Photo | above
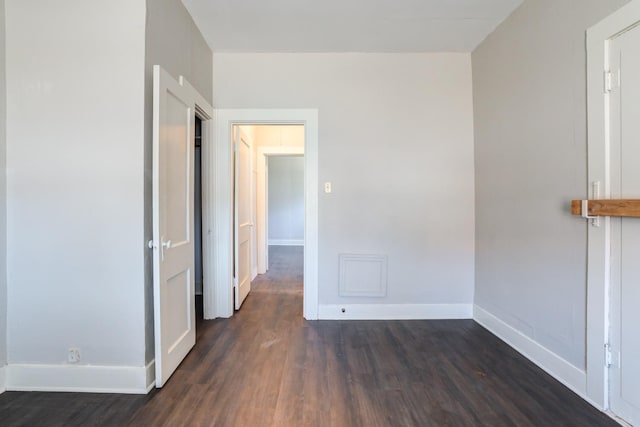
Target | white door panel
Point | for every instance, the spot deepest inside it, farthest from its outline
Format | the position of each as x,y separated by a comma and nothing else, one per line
243,218
173,257
625,232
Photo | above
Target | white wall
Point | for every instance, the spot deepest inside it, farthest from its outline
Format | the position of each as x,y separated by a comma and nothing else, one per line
173,42
286,200
75,105
3,199
279,136
396,140
250,131
530,130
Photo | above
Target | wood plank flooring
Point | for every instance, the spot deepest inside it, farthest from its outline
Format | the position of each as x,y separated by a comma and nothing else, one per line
268,367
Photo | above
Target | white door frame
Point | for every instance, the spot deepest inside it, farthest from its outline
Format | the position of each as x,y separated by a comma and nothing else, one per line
207,203
220,293
598,42
262,216
206,114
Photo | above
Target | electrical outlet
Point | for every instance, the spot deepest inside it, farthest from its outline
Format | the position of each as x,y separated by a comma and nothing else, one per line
74,355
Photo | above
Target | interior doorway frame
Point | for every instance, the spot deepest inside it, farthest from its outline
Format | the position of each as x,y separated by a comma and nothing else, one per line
262,214
599,238
218,293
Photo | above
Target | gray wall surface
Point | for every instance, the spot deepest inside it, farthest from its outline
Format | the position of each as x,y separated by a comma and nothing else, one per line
396,141
286,198
175,43
529,96
74,188
3,194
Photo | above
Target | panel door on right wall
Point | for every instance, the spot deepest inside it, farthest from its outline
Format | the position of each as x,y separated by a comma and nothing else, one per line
625,232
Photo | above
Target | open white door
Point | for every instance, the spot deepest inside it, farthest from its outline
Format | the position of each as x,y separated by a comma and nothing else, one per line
625,232
243,216
173,248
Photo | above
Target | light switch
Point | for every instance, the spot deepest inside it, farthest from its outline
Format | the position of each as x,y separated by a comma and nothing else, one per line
327,187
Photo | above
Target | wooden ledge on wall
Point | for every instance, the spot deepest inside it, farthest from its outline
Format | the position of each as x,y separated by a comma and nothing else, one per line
615,207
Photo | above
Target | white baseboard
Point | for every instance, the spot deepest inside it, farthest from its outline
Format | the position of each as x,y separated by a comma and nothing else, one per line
395,311
78,378
3,379
554,365
286,242
151,375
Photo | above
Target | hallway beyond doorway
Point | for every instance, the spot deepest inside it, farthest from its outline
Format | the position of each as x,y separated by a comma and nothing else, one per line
285,271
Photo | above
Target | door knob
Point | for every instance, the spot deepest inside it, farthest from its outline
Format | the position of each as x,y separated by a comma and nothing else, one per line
164,245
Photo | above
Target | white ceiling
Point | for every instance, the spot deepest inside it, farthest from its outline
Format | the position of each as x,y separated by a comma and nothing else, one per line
347,25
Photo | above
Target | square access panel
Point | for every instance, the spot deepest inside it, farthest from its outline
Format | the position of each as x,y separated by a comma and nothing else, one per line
363,275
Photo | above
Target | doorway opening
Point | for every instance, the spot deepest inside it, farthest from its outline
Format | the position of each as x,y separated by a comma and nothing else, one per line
269,204
197,211
219,302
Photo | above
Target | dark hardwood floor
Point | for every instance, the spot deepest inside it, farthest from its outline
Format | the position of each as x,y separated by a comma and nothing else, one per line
268,367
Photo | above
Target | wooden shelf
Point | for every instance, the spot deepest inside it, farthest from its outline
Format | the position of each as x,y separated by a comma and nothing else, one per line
616,207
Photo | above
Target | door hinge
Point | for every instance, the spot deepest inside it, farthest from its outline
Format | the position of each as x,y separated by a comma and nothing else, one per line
611,80
611,358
